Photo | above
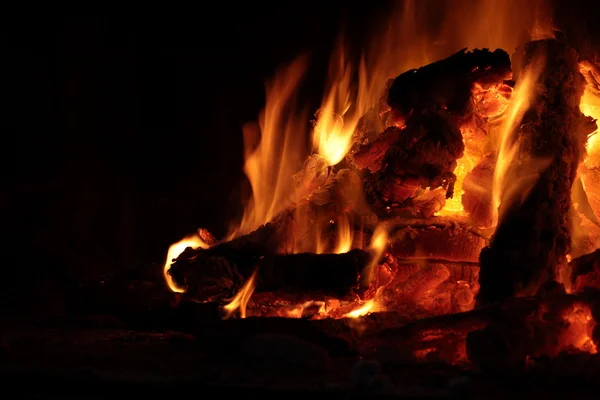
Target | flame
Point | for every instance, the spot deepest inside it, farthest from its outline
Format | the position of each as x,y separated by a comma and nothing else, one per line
343,106
590,106
175,251
506,186
367,307
240,301
274,149
344,236
379,243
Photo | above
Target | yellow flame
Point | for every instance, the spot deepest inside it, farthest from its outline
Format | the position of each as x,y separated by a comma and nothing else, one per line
343,106
506,186
274,149
175,250
378,245
344,236
240,301
590,106
367,307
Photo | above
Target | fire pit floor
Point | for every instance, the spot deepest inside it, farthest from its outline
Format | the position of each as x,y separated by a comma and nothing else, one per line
94,361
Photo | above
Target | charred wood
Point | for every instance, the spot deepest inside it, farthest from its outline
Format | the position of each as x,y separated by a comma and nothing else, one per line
448,83
533,237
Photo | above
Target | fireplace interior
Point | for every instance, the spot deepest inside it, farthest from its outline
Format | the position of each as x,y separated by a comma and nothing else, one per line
390,200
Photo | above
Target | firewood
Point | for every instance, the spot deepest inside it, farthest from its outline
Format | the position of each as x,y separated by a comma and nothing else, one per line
532,239
449,83
209,274
418,169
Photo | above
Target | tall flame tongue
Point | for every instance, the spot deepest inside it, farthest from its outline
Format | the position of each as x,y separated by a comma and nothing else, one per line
274,149
511,183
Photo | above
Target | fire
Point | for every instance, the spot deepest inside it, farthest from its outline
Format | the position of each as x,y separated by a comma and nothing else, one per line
240,301
283,173
193,241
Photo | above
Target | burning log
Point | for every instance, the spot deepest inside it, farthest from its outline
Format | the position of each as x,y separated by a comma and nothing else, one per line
532,239
210,274
449,83
429,112
419,162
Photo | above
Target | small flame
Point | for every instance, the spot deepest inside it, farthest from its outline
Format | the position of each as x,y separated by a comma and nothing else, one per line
344,236
241,299
367,307
378,245
175,251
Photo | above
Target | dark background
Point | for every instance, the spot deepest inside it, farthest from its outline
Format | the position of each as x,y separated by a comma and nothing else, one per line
122,134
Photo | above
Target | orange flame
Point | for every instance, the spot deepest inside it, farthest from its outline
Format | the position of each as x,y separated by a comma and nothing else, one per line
379,243
240,301
175,251
344,236
274,149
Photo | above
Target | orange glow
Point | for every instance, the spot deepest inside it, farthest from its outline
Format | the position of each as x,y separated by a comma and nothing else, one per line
240,301
581,326
175,250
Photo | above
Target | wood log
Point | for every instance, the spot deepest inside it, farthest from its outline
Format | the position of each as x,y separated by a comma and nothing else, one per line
532,239
208,276
585,271
449,83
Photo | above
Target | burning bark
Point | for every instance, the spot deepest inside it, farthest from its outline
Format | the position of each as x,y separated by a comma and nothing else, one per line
532,240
